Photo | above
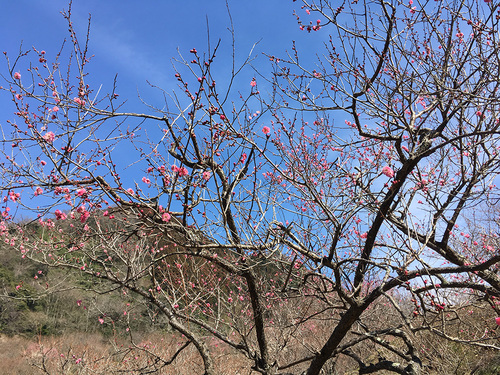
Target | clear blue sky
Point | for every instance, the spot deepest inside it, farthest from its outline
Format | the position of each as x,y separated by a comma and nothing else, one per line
137,39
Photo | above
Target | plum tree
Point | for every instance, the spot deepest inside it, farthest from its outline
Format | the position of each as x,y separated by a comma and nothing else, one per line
302,228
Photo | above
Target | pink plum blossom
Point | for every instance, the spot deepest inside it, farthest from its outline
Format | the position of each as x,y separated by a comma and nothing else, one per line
146,180
38,191
497,320
253,83
266,130
81,192
14,196
388,171
49,137
79,101
17,75
85,215
166,217
206,175
60,215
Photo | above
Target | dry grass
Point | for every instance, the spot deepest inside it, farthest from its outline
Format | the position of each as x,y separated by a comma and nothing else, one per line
92,354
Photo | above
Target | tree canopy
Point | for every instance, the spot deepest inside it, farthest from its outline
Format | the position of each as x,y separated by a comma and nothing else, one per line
338,197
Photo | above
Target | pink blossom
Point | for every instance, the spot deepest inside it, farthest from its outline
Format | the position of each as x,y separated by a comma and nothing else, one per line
79,101
206,175
81,192
388,171
183,171
38,191
166,217
84,216
497,320
146,180
14,196
266,130
101,320
253,83
130,191
55,108
17,75
364,235
49,137
60,215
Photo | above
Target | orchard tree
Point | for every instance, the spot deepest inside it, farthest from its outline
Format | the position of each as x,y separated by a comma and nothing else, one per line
306,227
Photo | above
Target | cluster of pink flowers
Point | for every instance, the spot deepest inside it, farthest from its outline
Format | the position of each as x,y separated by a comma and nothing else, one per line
49,137
84,214
79,101
59,190
60,215
13,196
182,171
146,180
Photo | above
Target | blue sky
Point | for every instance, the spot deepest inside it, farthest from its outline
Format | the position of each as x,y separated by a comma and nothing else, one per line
137,40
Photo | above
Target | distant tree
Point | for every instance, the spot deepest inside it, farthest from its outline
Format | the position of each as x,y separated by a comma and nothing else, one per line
317,225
